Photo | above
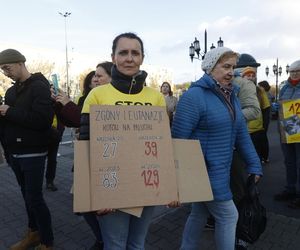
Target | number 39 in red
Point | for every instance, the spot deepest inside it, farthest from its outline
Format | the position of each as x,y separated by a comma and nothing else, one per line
151,177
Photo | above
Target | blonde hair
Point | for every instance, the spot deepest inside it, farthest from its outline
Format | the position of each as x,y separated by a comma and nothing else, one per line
227,55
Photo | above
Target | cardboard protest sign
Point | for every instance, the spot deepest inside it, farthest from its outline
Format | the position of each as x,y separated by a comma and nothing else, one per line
289,115
191,174
131,157
82,187
192,178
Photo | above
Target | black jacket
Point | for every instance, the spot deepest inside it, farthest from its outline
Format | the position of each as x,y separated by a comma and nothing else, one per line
28,120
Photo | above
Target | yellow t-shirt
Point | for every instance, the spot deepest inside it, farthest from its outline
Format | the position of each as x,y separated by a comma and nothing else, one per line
108,95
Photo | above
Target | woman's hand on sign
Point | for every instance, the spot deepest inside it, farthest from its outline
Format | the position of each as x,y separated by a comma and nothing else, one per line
105,211
174,204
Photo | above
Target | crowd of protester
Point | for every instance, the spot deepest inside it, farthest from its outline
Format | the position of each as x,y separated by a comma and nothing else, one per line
226,110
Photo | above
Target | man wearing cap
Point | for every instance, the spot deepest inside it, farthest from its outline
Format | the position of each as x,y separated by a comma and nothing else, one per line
291,151
26,118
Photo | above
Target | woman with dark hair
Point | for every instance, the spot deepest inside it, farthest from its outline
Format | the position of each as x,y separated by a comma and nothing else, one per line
70,113
121,230
101,76
171,101
266,86
88,82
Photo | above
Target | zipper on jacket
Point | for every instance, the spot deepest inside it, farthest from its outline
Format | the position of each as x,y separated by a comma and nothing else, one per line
223,99
133,81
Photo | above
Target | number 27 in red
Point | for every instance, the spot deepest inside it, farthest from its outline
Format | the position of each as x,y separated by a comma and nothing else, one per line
151,177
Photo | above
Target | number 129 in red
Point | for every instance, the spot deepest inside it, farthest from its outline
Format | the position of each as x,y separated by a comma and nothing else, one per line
151,178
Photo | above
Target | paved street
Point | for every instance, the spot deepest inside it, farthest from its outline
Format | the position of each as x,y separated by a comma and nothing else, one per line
71,232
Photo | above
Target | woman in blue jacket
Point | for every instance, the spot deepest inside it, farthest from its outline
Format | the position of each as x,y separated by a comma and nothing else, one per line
210,112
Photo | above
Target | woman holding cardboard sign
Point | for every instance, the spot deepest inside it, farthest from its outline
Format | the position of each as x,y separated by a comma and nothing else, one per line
210,112
121,230
291,151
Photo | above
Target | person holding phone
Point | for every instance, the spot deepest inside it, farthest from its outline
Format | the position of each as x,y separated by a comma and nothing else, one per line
26,117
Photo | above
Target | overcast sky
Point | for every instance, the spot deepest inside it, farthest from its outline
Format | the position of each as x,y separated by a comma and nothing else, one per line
266,29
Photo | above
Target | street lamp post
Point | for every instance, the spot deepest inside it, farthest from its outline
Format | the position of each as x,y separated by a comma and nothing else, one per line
195,47
277,70
65,15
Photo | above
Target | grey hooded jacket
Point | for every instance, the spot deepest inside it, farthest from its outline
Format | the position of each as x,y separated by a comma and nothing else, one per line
248,98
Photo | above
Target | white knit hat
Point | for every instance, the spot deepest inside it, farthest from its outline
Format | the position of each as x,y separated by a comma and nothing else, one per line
211,58
295,66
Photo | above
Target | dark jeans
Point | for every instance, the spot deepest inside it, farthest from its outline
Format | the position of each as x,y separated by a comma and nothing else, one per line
291,153
51,159
266,113
92,220
30,173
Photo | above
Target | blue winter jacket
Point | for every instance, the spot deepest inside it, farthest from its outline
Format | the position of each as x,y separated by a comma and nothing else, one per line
289,91
203,114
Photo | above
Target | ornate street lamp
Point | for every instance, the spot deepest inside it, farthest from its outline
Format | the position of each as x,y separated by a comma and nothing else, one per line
195,48
220,42
277,72
65,15
287,67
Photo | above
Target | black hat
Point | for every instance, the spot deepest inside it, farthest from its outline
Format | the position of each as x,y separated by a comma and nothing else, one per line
247,60
11,56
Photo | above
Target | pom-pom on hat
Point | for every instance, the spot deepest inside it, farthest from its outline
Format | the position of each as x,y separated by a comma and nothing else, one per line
295,66
212,57
248,70
11,56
